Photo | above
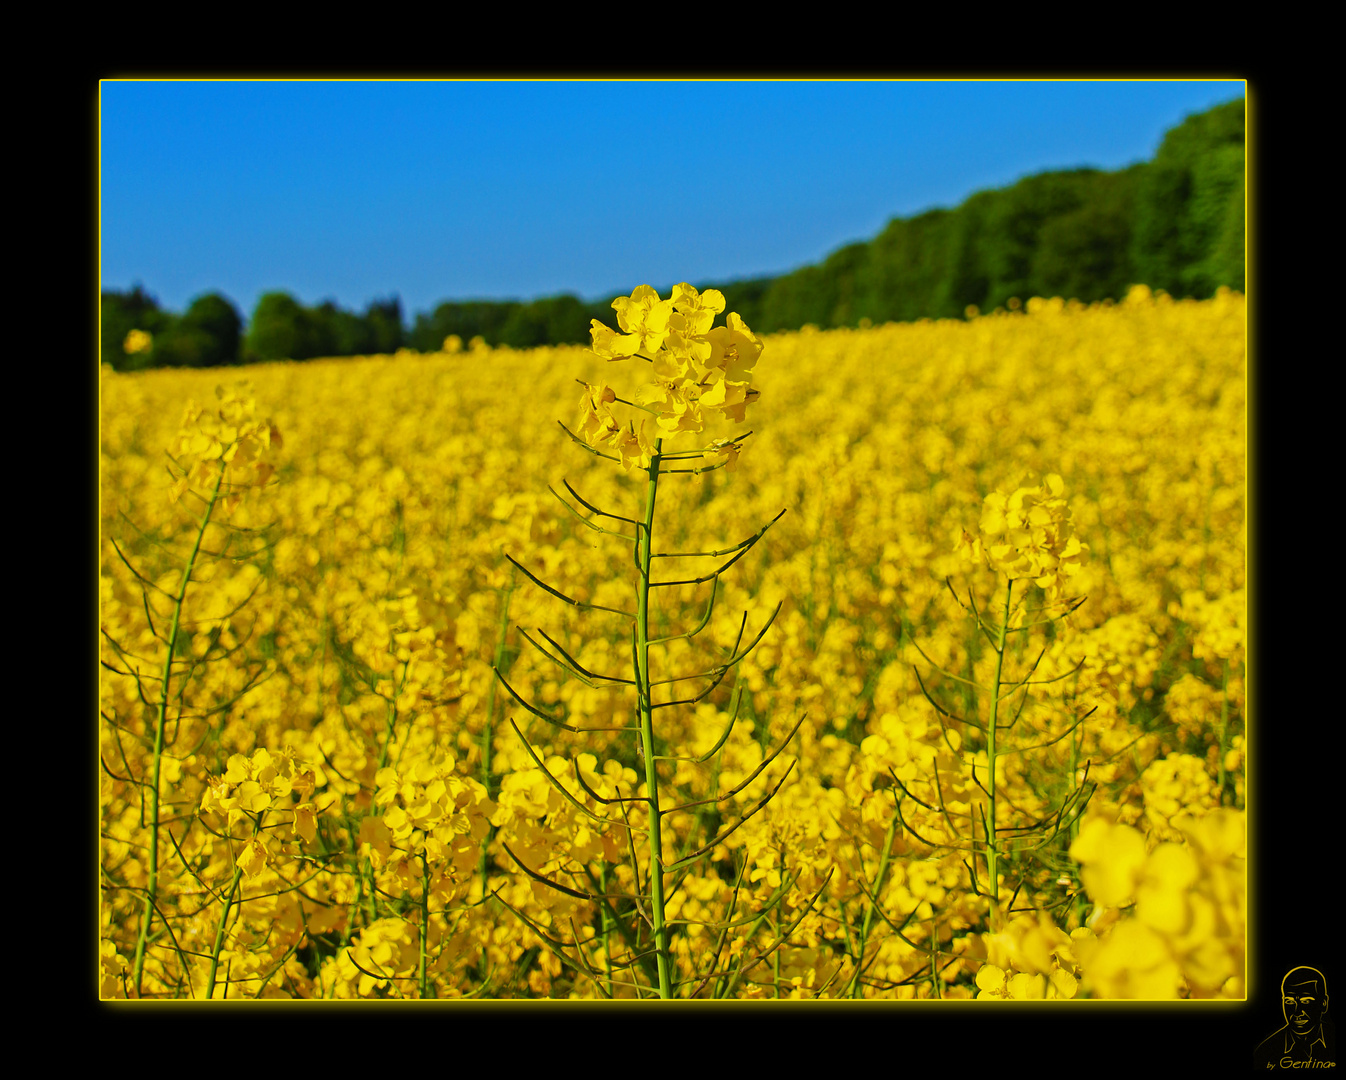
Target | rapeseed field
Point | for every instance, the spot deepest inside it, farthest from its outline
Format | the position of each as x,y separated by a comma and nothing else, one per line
900,662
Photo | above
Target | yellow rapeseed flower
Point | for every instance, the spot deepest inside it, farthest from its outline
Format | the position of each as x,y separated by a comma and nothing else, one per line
695,366
1028,534
1111,858
408,479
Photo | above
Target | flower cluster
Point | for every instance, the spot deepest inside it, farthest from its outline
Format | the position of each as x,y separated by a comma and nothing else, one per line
1029,534
386,947
137,341
547,833
252,787
430,813
1184,935
1178,786
696,367
1032,959
228,437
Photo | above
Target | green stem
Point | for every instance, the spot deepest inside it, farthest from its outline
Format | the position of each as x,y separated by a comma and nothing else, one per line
152,883
604,932
488,734
501,633
854,990
224,916
425,923
389,726
992,852
935,991
644,546
1224,730
219,933
775,956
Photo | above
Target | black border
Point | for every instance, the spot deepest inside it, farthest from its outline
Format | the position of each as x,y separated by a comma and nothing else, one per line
1288,854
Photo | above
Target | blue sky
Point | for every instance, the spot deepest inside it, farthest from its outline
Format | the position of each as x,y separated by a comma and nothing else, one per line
354,191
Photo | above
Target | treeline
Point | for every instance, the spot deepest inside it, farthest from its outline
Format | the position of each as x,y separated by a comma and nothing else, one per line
210,332
1175,223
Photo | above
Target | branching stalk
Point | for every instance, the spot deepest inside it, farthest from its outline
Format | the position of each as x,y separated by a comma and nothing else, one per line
644,542
160,720
992,846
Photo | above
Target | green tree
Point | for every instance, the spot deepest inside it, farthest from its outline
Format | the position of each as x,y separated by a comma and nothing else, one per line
218,316
908,261
334,331
207,335
744,297
1217,196
1015,219
1159,246
383,325
967,280
552,320
795,299
119,314
281,330
524,328
467,319
841,273
425,335
1227,258
1189,205
1085,254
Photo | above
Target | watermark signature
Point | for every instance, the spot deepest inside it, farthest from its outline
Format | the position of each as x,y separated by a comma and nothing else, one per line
1307,1041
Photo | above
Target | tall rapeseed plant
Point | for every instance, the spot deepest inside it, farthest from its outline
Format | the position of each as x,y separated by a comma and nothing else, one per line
1028,539
216,459
696,369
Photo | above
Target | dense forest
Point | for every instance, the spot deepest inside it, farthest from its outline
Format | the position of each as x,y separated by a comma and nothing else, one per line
1174,223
